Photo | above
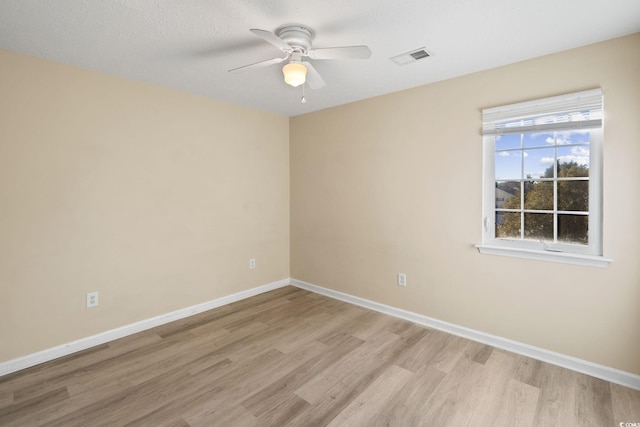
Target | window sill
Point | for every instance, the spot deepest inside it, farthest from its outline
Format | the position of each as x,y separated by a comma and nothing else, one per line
541,255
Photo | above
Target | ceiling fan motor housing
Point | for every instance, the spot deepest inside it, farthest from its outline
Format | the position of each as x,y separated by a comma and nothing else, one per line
296,36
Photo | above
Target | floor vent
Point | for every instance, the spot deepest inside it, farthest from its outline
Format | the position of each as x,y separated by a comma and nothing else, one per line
411,57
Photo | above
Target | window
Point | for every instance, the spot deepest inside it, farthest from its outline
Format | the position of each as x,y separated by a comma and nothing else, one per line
542,194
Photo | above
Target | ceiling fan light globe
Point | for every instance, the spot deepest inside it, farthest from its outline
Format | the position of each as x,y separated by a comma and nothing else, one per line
294,73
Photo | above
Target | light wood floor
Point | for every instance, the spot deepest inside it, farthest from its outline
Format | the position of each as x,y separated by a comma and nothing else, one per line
291,357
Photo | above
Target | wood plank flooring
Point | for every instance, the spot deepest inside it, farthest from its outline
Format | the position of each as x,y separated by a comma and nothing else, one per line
294,358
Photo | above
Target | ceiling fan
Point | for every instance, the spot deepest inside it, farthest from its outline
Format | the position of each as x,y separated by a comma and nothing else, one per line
295,42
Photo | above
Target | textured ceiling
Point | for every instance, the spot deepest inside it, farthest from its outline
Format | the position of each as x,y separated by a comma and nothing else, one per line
191,45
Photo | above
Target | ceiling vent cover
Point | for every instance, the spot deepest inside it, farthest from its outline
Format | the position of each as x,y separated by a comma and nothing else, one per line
411,57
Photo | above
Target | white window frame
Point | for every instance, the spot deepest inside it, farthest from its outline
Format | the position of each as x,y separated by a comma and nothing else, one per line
546,115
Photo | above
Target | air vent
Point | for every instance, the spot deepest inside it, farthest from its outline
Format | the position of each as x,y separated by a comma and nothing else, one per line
411,57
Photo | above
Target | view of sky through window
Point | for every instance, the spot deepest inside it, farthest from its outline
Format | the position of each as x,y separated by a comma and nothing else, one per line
520,156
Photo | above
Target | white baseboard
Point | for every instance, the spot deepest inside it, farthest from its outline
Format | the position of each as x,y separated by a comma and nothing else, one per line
595,370
113,334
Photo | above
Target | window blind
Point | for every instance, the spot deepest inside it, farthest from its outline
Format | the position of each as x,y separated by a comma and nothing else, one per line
579,110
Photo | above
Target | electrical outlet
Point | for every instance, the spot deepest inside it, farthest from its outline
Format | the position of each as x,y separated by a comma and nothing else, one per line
92,299
402,279
252,263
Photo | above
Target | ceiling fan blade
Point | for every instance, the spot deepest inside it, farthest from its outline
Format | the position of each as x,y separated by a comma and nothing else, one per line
314,79
346,52
268,36
258,64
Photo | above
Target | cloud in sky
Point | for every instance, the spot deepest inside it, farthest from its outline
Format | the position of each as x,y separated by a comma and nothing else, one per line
580,151
569,137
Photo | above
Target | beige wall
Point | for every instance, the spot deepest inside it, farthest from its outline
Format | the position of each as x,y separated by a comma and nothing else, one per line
393,184
154,198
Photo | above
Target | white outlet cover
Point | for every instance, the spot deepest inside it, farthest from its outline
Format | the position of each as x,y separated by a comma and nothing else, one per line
92,299
402,279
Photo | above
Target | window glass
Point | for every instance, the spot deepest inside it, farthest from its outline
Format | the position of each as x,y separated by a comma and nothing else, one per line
538,162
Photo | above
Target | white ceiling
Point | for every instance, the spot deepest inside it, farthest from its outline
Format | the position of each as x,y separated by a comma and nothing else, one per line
191,45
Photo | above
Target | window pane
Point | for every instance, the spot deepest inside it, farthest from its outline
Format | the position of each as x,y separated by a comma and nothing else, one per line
573,195
538,195
573,161
508,225
538,140
508,195
538,226
508,141
573,229
508,165
573,137
538,163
